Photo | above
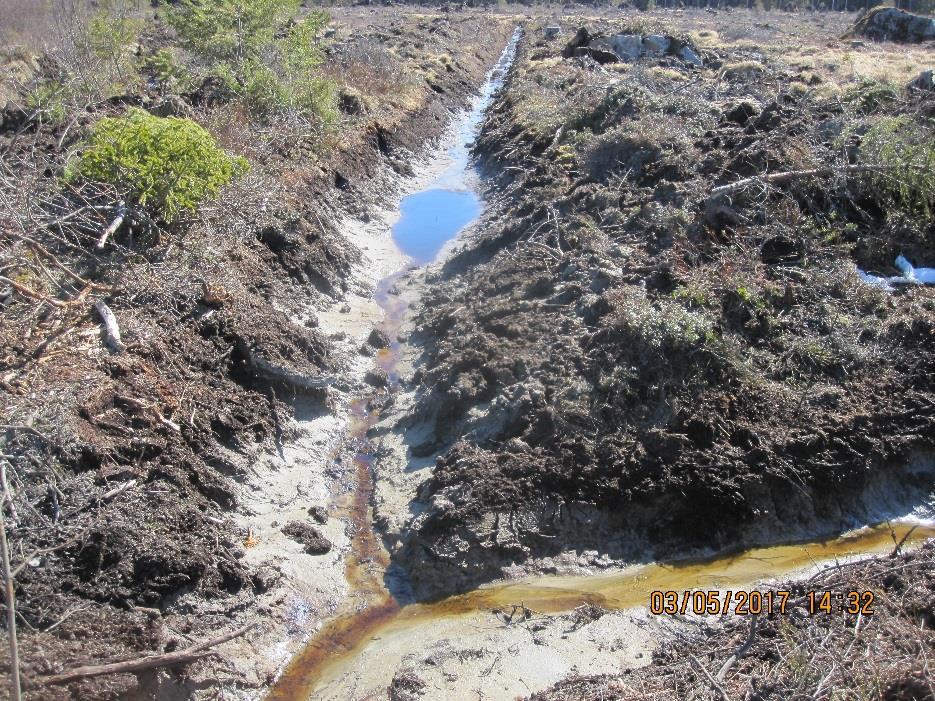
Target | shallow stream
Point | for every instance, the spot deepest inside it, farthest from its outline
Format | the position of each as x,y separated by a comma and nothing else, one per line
353,642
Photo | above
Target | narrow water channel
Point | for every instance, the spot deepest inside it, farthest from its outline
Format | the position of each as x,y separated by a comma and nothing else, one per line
430,219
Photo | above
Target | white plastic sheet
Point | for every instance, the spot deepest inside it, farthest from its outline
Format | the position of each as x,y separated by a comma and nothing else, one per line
910,276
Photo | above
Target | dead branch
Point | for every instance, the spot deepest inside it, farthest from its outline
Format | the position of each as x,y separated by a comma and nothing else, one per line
786,177
31,293
113,226
740,651
711,680
111,327
5,488
189,654
899,545
271,372
119,489
39,248
9,596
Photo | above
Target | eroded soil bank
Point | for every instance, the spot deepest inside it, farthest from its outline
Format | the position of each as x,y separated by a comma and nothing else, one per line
619,364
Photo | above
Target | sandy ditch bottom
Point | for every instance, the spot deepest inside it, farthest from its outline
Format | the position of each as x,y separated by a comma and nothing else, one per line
314,469
484,655
514,638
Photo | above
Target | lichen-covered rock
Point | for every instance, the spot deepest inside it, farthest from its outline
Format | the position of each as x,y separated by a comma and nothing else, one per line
891,24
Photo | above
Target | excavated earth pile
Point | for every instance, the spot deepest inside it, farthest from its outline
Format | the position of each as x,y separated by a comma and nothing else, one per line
624,355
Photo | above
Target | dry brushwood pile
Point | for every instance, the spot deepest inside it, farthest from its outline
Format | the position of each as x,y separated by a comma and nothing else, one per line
151,355
884,656
658,334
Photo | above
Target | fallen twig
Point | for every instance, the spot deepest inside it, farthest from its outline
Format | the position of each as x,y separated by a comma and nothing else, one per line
711,680
113,226
189,654
111,327
788,176
740,651
9,597
899,545
29,292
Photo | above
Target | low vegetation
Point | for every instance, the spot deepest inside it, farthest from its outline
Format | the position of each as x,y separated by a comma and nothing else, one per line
167,166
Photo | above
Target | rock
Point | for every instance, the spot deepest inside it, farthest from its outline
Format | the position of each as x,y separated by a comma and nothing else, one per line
742,112
265,578
923,82
582,38
890,24
319,514
687,54
628,47
377,378
656,45
552,32
309,536
599,55
172,106
378,339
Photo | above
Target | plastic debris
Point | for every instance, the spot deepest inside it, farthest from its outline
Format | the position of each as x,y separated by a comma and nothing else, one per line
910,276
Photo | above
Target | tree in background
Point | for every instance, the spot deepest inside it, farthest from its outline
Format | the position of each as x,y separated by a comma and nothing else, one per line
260,50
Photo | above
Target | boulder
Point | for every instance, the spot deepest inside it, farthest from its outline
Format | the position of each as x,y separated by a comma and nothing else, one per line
600,55
656,45
582,38
891,24
629,47
687,54
923,82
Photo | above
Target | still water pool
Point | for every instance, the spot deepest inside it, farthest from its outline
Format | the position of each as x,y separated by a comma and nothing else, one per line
430,218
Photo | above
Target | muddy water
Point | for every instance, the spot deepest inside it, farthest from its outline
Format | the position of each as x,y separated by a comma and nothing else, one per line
334,654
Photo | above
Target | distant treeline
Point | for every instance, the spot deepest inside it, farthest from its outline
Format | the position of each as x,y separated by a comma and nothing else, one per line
918,6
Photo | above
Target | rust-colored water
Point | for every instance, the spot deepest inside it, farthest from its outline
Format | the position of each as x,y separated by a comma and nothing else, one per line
334,649
371,605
